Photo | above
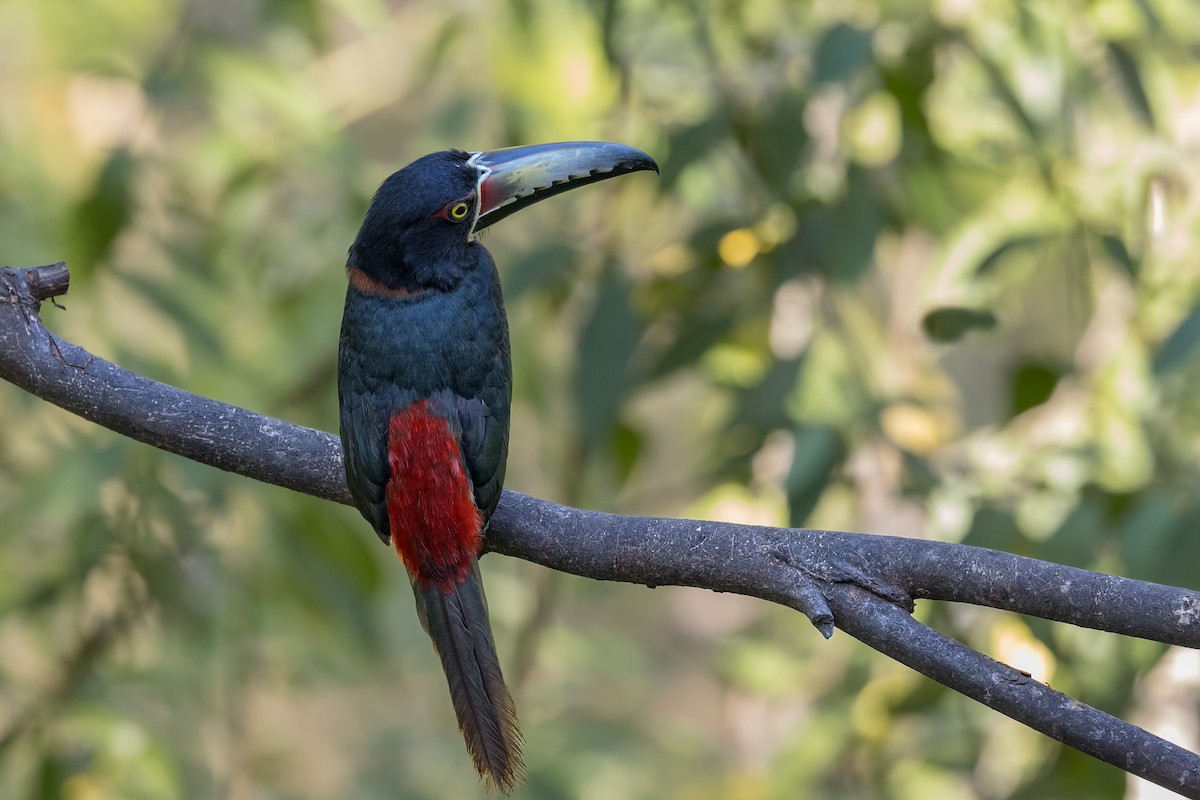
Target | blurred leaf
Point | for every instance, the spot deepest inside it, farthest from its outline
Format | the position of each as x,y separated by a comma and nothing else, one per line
1131,81
49,779
693,342
858,220
1149,539
103,213
178,308
840,53
779,140
994,529
300,15
1150,15
908,80
764,405
534,271
690,144
1032,385
627,446
988,264
448,36
606,345
1069,773
951,323
1006,95
1178,557
818,451
1178,347
330,570
760,668
1116,250
1078,537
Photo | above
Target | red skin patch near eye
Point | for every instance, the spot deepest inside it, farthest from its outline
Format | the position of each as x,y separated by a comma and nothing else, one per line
436,528
489,195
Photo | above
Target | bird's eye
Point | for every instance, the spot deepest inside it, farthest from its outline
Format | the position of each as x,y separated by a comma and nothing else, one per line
459,210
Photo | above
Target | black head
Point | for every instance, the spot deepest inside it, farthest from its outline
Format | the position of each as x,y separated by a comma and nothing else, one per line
417,232
418,226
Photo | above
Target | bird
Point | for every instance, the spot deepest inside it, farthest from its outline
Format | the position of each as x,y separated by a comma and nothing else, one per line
424,394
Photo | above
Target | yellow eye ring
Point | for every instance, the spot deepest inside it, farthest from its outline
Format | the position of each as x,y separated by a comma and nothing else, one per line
459,211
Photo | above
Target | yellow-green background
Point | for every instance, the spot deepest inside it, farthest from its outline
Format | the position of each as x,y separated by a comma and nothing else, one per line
928,269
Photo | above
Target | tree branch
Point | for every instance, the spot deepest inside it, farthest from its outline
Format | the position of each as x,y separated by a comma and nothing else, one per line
864,584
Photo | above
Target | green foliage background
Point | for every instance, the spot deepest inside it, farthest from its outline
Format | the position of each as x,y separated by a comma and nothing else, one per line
911,268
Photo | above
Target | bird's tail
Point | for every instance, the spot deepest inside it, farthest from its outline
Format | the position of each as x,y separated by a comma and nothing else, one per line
457,621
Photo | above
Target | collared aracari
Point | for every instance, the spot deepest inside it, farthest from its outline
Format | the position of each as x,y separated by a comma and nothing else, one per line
424,386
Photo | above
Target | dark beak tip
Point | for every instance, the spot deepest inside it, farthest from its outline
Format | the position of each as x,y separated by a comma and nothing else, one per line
646,163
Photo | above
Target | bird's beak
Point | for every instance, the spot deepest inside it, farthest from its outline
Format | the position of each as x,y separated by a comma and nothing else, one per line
515,177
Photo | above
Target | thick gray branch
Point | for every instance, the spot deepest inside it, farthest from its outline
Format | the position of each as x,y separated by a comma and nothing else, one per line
865,584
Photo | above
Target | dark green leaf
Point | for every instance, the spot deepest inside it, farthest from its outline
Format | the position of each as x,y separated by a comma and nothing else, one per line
1150,540
1180,344
103,214
858,220
951,323
819,449
627,446
692,342
333,572
1032,385
994,529
545,266
840,53
1116,250
1077,538
779,140
605,347
764,405
692,143
1131,80
50,778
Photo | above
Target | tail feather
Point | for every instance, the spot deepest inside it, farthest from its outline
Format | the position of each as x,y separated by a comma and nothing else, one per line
457,621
